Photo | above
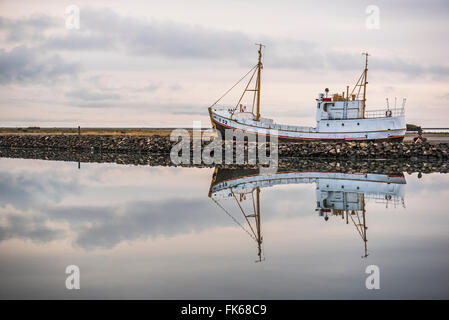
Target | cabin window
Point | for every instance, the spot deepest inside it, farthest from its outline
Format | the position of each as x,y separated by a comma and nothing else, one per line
327,124
358,123
325,106
342,124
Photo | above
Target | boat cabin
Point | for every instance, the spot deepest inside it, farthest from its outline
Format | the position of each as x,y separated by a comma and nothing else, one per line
338,108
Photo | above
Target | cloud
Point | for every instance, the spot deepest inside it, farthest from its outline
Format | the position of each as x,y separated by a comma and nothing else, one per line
28,227
308,56
146,219
84,94
23,191
104,30
79,40
107,226
20,193
27,29
26,65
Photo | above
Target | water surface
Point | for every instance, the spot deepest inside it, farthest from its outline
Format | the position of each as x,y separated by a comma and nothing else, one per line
164,233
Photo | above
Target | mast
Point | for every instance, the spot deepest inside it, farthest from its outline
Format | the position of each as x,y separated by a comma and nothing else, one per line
361,83
257,218
256,96
360,224
259,68
363,226
365,83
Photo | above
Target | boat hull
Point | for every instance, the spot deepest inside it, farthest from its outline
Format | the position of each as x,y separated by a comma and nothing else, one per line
225,179
222,124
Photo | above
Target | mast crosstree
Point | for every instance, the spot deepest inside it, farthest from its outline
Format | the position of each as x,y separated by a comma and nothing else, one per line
361,84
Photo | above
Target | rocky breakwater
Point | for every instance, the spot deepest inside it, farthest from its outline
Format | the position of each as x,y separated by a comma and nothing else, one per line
162,145
366,150
99,143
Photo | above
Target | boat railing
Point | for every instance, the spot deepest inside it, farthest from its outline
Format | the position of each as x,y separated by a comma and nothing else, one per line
221,107
385,113
387,199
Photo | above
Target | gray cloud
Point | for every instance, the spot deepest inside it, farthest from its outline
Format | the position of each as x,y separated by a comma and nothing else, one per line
105,227
26,65
24,191
104,29
85,94
79,40
28,227
36,218
142,36
310,57
28,29
35,213
146,219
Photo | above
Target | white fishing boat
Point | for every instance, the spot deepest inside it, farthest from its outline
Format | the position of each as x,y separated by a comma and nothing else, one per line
339,116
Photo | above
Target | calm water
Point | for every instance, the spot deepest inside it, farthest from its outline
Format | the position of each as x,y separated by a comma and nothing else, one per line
164,233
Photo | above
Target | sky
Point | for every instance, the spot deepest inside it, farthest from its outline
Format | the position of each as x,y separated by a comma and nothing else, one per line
162,63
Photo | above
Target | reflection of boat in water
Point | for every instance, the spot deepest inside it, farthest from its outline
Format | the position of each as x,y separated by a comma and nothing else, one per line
337,194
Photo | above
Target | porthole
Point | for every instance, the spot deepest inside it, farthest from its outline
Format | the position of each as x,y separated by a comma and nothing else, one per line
327,124
358,123
342,124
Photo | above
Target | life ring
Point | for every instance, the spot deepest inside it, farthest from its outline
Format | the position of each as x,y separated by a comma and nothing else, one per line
388,113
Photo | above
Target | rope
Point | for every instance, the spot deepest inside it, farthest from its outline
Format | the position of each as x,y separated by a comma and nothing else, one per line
235,220
234,85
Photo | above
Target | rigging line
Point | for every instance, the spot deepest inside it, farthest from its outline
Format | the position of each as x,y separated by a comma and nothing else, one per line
254,204
234,85
356,227
243,212
243,94
254,97
235,220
